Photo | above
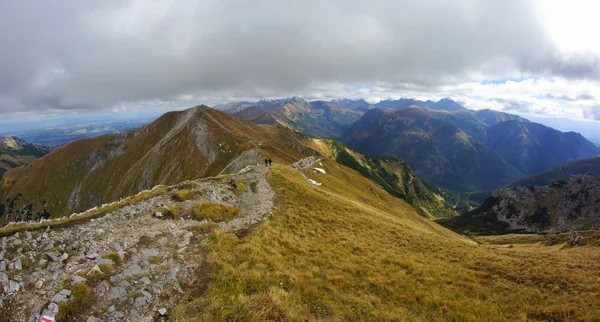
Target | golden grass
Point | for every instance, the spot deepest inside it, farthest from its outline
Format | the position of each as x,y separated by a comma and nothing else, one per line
9,230
214,211
183,195
240,187
347,251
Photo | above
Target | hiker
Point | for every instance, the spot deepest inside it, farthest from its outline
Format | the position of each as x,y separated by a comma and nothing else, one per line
270,161
575,238
266,162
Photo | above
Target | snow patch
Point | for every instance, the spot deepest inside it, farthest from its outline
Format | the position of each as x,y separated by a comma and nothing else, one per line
314,182
320,170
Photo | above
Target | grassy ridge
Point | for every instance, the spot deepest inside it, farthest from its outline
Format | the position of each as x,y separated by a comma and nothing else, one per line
348,251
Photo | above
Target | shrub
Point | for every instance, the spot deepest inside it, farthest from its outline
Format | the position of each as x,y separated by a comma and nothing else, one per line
171,212
214,211
113,257
239,187
106,268
183,195
80,292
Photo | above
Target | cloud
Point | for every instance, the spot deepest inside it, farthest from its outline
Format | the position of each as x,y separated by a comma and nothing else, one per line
592,112
99,54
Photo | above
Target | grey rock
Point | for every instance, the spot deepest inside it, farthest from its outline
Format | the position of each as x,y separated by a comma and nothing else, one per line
162,311
1,303
93,319
94,270
39,284
18,242
1,255
27,235
54,256
2,266
117,293
133,270
199,237
153,234
116,246
62,296
149,252
18,264
35,313
91,256
186,239
12,287
140,302
111,309
157,214
64,257
163,241
172,279
42,263
146,280
51,310
103,287
77,279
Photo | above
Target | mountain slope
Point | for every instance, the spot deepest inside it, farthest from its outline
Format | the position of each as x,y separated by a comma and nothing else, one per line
396,177
436,149
317,119
15,153
534,148
178,146
563,172
347,251
572,204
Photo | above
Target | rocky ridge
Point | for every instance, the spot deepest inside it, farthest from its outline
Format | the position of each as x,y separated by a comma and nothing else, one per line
132,264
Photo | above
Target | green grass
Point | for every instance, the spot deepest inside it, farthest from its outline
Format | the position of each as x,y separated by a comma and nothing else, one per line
348,251
214,211
113,257
107,269
171,212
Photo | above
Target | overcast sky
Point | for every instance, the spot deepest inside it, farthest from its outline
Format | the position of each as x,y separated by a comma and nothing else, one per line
538,57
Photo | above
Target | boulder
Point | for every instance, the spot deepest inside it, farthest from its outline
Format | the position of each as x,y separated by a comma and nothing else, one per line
62,296
117,293
91,256
54,256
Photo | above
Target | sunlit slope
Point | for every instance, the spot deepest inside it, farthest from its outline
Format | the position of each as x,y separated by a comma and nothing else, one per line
178,146
348,251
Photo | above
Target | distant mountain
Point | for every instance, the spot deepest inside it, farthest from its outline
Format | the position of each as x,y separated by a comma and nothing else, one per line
572,204
589,166
534,148
589,129
444,104
397,178
178,146
355,105
491,117
15,152
436,148
317,119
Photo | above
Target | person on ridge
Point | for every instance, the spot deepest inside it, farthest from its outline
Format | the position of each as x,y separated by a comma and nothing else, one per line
266,162
270,161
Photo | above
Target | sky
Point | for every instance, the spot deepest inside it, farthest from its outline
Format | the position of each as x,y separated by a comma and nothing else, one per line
71,57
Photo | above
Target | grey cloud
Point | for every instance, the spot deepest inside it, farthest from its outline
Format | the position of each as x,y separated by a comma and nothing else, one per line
580,97
592,113
513,105
96,54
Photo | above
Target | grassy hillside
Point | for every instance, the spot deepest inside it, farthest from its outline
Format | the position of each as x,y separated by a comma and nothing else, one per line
178,146
348,251
15,153
397,178
563,172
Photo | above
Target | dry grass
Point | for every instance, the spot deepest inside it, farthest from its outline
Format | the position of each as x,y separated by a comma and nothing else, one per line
347,251
183,195
214,211
239,187
9,230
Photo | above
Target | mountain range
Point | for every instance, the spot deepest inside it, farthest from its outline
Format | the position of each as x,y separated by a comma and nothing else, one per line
326,233
15,152
446,144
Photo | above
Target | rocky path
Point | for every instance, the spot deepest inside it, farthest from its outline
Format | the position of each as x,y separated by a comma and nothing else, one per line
130,265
